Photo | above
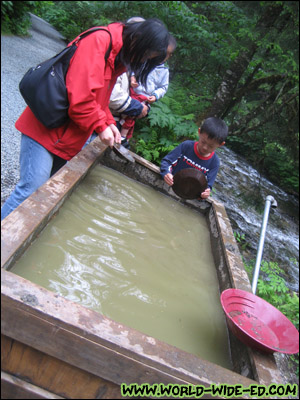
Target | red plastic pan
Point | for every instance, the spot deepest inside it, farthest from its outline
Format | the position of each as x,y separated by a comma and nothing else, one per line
258,324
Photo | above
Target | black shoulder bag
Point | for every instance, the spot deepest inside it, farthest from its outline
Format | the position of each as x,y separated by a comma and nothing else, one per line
44,86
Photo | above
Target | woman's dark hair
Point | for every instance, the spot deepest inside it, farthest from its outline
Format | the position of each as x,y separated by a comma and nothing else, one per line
140,41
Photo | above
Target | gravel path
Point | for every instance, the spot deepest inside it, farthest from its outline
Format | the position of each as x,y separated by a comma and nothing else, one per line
18,54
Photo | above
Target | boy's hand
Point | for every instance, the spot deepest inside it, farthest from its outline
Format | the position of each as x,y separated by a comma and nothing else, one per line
205,194
168,178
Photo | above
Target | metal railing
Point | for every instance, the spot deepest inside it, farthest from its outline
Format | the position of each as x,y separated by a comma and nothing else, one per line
270,202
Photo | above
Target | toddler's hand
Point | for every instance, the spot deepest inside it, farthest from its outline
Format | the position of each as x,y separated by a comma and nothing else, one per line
151,99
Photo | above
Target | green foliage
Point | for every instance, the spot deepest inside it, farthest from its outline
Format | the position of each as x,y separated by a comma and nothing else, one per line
152,148
163,129
241,240
14,16
271,287
74,17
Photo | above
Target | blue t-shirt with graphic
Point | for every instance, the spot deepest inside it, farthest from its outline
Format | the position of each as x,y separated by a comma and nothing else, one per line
186,155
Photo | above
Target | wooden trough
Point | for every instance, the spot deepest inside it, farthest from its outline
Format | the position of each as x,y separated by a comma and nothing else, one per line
54,348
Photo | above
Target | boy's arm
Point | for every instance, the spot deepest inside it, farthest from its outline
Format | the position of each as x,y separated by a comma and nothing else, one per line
211,176
170,160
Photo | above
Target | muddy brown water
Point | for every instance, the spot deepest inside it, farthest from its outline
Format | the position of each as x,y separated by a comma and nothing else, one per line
136,256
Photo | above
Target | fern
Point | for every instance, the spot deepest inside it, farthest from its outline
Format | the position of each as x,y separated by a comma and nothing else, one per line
186,129
170,121
162,116
272,288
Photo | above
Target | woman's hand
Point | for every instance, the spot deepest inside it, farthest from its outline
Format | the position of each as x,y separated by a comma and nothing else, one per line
110,135
116,133
168,178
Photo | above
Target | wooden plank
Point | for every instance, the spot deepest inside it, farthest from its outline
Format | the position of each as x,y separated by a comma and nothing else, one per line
84,338
53,374
16,388
235,267
146,163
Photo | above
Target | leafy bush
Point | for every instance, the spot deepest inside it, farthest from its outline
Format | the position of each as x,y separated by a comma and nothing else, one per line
272,288
241,240
73,17
163,130
14,16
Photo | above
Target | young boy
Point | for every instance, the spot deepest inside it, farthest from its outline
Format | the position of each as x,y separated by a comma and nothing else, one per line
200,155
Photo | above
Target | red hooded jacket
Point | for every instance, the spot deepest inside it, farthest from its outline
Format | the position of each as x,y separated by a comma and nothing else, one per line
89,83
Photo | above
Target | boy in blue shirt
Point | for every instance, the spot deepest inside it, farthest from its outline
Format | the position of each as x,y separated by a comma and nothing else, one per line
200,155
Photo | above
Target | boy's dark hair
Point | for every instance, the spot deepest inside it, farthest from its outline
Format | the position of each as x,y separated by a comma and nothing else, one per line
141,39
215,128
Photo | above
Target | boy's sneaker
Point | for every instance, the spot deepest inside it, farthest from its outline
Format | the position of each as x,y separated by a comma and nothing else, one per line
125,143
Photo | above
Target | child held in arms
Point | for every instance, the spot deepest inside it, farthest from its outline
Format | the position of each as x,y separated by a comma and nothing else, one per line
154,89
200,155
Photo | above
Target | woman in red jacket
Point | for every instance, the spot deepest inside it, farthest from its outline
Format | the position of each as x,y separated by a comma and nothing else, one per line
137,47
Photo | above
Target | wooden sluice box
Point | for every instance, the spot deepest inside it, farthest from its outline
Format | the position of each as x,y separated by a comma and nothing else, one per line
55,348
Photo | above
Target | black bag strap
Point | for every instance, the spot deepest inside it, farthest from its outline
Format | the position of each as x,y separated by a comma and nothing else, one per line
83,35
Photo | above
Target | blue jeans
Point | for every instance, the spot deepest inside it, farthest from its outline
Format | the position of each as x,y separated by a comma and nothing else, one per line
36,166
